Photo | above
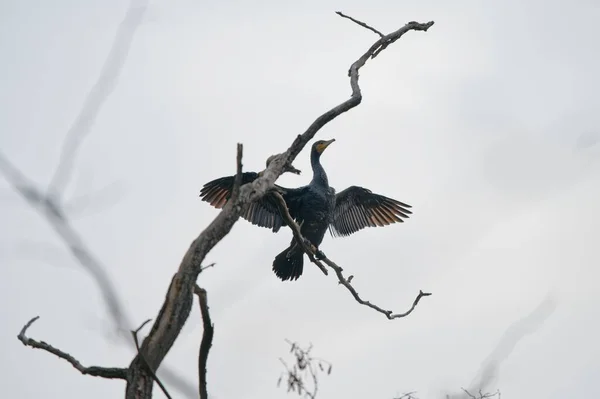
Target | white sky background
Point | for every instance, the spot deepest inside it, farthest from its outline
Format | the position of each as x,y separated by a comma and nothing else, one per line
487,125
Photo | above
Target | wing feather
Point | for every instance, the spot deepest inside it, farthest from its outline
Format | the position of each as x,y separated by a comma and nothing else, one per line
358,208
263,213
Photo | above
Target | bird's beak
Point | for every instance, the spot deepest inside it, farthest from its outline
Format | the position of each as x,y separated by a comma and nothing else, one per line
326,144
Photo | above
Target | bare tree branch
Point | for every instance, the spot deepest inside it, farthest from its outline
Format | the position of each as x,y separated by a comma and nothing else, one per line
102,89
312,252
206,343
95,371
134,334
364,25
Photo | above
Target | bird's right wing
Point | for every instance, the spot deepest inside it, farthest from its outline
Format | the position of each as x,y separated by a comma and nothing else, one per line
263,213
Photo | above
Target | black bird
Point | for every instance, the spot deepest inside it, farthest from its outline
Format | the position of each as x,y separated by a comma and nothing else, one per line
316,207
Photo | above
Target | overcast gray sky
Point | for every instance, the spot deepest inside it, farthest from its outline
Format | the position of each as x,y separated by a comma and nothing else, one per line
488,125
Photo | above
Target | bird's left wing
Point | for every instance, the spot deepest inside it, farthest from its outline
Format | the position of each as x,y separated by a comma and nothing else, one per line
263,213
357,208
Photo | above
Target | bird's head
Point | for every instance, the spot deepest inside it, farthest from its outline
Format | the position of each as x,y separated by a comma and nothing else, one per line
320,146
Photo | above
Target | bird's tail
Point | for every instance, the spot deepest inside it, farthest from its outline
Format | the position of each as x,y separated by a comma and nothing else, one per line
289,263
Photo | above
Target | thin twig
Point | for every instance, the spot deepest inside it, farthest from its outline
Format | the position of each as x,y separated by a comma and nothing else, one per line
208,266
134,333
104,372
364,25
388,313
206,343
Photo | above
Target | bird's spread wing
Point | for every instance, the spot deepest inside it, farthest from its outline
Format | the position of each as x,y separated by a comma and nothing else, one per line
357,208
263,213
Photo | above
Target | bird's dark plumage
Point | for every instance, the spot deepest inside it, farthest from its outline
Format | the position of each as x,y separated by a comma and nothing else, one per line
316,207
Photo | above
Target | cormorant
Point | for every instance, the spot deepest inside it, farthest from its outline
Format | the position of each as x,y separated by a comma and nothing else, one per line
316,207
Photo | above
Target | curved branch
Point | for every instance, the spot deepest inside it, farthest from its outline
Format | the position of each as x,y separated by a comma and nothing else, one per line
95,371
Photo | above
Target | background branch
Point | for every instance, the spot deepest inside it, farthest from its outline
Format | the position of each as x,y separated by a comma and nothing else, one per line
53,212
95,371
102,89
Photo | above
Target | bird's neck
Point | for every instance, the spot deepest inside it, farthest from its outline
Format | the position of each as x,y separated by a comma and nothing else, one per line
319,175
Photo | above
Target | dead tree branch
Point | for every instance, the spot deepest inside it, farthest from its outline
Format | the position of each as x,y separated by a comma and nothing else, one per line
364,25
95,371
207,338
311,251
